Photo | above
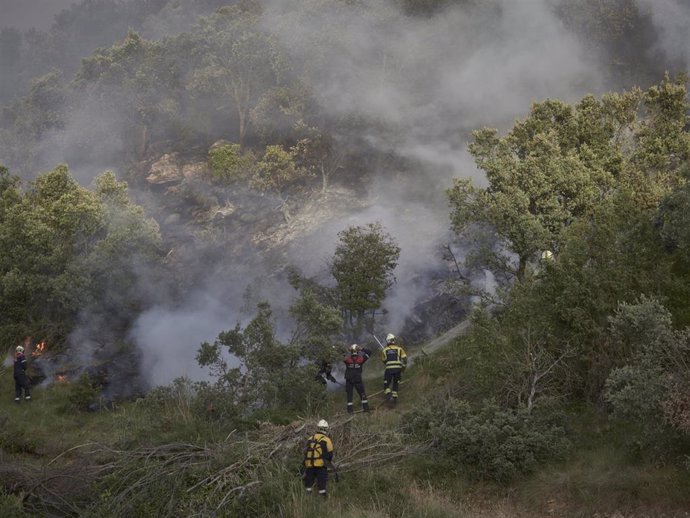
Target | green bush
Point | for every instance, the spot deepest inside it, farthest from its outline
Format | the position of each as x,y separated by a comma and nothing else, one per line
229,163
490,442
83,394
648,393
16,436
11,505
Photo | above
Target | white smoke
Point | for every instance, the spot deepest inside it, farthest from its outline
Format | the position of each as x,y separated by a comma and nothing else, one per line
31,14
429,82
421,85
170,338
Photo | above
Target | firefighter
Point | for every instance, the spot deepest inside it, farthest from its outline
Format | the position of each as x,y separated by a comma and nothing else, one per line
395,359
325,369
354,363
318,452
21,380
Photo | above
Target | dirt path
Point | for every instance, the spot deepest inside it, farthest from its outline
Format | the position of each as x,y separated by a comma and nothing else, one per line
439,341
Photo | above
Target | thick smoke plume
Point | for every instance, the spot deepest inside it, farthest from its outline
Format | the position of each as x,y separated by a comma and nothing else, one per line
672,19
424,84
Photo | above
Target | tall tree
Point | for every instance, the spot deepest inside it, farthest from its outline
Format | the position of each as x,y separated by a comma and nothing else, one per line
551,168
363,266
237,60
135,78
67,249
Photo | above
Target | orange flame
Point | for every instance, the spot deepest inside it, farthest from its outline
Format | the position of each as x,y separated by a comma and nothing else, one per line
61,378
39,349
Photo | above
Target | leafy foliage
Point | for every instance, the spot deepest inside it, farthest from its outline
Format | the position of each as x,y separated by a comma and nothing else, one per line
551,168
229,163
64,248
488,442
253,371
363,266
647,392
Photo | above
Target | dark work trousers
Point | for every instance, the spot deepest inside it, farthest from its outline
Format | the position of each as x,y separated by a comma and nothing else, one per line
21,382
359,386
320,475
391,380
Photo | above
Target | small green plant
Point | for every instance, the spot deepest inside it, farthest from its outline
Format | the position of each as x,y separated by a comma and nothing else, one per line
83,394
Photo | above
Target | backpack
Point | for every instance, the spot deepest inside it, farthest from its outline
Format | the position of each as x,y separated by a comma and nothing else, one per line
313,455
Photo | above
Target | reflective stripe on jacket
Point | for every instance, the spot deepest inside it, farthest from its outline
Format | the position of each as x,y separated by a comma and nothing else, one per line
394,357
354,364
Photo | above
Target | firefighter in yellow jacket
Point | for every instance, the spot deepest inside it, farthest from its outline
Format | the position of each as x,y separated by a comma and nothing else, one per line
318,453
396,362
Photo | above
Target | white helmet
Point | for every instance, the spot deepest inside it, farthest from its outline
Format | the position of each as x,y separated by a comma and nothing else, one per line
20,349
322,425
354,348
390,338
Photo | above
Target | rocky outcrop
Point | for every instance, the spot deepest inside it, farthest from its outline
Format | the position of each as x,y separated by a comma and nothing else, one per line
167,169
171,169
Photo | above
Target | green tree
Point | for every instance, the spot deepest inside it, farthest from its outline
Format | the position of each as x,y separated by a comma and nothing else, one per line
319,153
363,266
269,375
550,169
129,245
41,289
277,172
317,326
67,249
280,111
237,60
648,391
127,78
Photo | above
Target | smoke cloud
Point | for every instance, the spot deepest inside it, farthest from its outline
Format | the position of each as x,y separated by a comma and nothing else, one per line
672,19
427,83
422,85
31,14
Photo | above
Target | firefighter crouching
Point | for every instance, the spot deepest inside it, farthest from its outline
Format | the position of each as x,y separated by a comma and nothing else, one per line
325,373
318,453
354,363
21,380
395,359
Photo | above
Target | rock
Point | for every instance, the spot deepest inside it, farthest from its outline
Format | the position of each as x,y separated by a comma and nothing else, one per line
195,171
220,143
166,170
225,211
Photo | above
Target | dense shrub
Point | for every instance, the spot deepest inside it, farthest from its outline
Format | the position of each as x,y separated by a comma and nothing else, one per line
648,394
83,394
490,442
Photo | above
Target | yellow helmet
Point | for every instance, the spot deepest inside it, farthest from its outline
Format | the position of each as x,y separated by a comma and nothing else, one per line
354,348
390,339
322,424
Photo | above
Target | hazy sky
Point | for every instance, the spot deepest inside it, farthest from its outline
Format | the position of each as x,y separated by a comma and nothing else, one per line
27,14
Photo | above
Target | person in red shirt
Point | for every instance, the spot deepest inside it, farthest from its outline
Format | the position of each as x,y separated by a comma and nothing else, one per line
354,363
